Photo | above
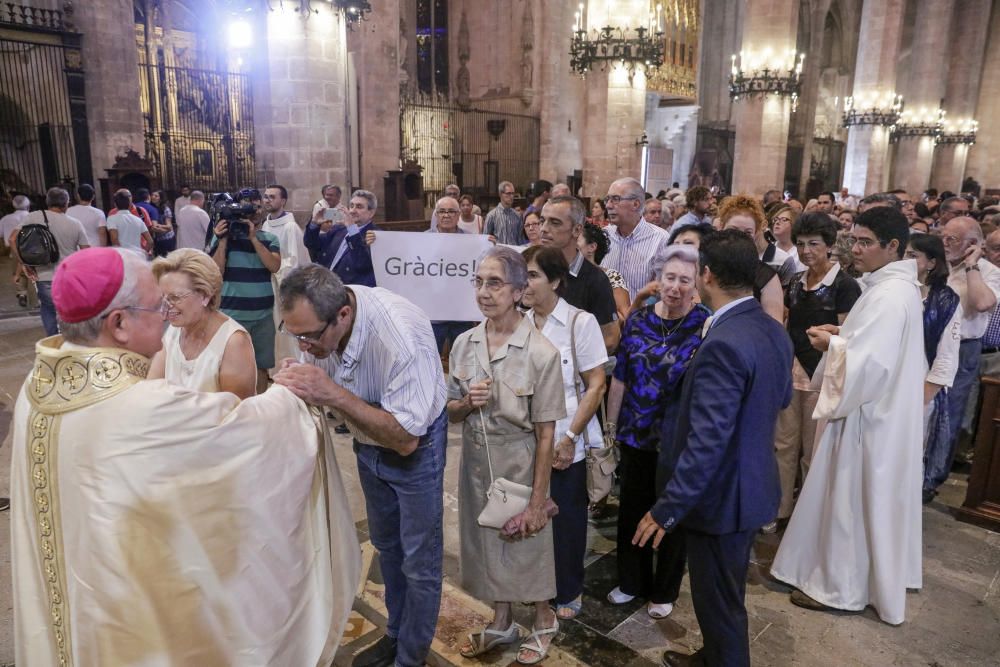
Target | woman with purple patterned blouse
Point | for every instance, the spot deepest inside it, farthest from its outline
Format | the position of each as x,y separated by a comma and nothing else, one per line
657,346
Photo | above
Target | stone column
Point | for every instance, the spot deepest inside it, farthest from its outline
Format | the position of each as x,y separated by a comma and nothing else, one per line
984,158
762,124
111,63
375,45
866,168
962,90
562,123
923,90
300,122
615,106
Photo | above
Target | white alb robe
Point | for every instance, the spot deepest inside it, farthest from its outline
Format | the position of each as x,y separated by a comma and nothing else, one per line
155,526
854,537
293,255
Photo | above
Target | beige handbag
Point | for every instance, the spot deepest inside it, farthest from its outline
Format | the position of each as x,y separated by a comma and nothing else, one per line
504,499
601,462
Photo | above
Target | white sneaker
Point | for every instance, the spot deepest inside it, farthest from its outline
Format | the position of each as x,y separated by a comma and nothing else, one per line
659,610
769,528
617,597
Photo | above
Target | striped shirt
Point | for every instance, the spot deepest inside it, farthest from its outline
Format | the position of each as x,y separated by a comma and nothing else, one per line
247,295
391,361
630,255
505,224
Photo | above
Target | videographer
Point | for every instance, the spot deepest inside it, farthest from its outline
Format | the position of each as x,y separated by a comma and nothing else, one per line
247,256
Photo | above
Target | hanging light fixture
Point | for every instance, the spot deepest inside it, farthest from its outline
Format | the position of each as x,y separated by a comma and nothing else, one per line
959,132
873,109
632,48
766,72
355,11
923,122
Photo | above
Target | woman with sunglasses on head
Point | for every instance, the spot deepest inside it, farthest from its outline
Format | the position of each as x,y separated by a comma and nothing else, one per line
203,349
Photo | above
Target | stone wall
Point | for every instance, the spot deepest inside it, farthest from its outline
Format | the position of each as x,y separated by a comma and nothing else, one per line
300,116
111,64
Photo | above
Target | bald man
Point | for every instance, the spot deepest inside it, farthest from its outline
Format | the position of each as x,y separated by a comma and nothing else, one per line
977,283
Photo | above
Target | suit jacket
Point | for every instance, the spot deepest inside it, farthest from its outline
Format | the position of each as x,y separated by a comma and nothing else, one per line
721,471
355,267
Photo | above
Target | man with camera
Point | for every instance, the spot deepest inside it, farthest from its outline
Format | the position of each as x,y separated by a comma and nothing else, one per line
339,242
247,256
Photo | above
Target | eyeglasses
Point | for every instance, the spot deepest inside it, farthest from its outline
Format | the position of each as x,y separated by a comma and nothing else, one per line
308,339
174,299
491,285
948,240
864,244
447,211
161,309
507,192
782,218
532,225
617,199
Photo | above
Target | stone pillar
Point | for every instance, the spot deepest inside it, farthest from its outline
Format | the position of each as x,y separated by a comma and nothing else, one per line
375,45
562,124
615,106
111,64
923,90
962,90
866,168
300,122
984,158
762,124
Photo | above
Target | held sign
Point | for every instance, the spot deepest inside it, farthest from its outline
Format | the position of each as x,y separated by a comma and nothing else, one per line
432,270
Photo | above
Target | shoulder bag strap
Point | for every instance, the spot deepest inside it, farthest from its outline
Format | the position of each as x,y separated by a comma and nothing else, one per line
45,218
576,377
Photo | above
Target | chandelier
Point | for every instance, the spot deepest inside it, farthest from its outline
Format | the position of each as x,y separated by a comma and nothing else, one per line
766,72
959,132
355,11
873,109
920,123
631,47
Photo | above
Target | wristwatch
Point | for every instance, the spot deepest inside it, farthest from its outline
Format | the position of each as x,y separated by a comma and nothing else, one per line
974,267
572,436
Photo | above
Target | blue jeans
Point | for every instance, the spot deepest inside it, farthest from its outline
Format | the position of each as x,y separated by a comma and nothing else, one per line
46,307
403,497
940,452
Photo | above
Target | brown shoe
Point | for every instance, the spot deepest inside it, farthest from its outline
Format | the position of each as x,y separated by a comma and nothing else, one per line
800,599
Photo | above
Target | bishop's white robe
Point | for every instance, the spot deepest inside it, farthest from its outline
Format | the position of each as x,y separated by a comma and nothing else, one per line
293,255
854,537
157,526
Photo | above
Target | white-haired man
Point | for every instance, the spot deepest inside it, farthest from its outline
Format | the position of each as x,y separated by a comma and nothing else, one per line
8,224
200,530
634,241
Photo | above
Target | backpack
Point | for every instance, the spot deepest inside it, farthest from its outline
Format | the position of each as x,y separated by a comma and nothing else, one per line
36,245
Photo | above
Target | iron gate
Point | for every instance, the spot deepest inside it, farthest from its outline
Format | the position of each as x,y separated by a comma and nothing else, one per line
43,121
198,127
477,147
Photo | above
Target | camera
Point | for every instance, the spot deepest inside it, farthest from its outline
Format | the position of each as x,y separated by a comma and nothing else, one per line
234,212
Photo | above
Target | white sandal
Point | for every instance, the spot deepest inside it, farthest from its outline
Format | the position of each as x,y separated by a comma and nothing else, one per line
533,643
480,644
659,610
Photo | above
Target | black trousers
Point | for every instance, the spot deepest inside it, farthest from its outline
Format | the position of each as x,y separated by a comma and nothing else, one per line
643,572
718,571
568,489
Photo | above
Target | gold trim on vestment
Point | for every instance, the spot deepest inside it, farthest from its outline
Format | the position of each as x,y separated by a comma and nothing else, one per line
64,380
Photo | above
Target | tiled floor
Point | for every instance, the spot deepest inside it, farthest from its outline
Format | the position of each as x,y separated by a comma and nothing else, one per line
953,620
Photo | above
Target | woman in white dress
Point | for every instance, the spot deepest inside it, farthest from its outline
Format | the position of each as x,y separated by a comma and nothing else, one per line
203,349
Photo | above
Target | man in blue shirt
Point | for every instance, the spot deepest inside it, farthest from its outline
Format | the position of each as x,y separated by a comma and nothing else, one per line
343,248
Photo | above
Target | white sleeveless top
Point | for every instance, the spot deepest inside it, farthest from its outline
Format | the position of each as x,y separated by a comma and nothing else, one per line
202,372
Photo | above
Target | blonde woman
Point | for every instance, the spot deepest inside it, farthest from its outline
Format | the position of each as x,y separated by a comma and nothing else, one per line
203,349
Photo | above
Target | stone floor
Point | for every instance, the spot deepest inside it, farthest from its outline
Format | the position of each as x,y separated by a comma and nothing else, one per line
953,620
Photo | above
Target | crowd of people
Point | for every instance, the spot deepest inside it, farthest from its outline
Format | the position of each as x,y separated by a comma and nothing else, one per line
758,366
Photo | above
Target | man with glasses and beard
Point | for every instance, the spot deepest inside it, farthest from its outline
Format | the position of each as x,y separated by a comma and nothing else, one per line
503,222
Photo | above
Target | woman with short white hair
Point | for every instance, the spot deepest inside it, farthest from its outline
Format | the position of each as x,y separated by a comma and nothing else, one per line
657,346
203,349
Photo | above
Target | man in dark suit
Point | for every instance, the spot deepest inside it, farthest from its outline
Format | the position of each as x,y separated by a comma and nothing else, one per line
722,475
344,249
